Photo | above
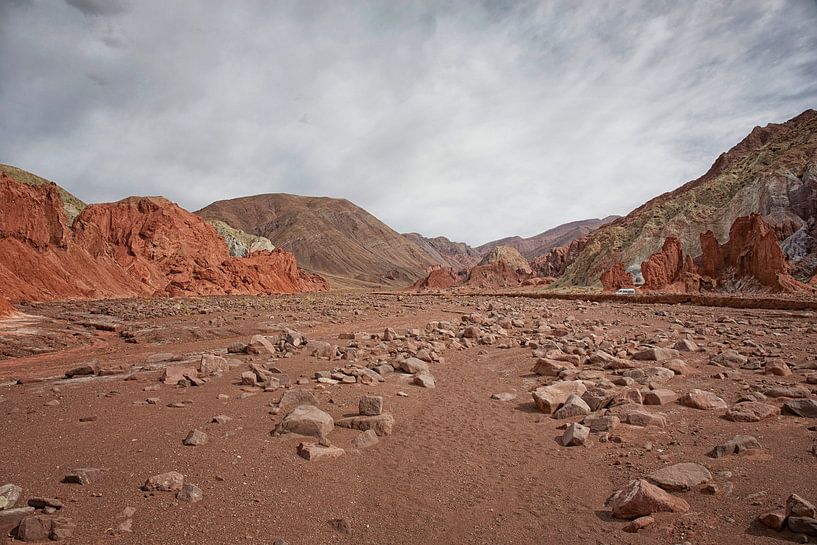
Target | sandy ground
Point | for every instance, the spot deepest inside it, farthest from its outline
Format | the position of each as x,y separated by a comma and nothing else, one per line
458,468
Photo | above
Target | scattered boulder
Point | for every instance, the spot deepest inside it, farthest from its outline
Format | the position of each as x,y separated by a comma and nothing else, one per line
806,408
382,424
575,435
751,411
799,507
195,438
424,380
656,354
736,445
365,439
640,498
549,398
660,397
307,420
83,370
370,405
172,481
414,365
703,400
573,406
775,520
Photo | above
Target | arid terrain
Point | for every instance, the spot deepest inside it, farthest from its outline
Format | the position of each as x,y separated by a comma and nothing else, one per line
658,385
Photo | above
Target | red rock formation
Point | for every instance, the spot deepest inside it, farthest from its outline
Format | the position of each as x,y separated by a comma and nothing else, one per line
439,278
558,259
135,247
616,277
497,274
752,252
669,270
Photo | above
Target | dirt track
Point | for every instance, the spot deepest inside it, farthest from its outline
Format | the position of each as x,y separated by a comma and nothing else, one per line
458,467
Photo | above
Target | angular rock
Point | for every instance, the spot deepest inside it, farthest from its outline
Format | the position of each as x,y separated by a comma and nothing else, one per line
644,419
34,528
172,481
729,358
190,493
703,400
413,365
365,439
381,424
599,424
260,345
575,435
803,525
292,398
680,477
315,451
751,411
686,345
551,397
640,498
775,521
806,408
794,392
573,406
736,445
424,380
638,524
551,368
370,405
83,370
503,396
656,354
84,475
41,503
307,420
195,438
660,397
211,364
799,507
173,374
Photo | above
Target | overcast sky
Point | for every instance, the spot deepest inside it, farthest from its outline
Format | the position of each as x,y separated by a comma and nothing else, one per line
465,119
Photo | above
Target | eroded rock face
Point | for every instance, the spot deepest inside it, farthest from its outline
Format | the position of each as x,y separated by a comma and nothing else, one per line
669,270
439,278
752,252
616,277
640,498
140,246
497,274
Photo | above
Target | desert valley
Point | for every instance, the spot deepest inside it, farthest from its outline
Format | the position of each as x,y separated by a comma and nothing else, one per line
284,369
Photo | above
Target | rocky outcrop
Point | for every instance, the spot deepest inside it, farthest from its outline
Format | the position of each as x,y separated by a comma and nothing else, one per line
457,255
71,204
239,243
497,274
440,278
5,307
555,262
509,256
772,172
669,270
752,258
140,246
616,277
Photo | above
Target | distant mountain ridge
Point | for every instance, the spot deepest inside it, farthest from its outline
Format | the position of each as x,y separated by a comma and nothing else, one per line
561,235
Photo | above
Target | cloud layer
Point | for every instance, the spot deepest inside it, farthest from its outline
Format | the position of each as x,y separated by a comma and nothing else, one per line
474,121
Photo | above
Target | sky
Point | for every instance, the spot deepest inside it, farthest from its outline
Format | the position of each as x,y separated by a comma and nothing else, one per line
472,120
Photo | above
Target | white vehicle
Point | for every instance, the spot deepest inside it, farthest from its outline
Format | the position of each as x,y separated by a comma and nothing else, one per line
625,291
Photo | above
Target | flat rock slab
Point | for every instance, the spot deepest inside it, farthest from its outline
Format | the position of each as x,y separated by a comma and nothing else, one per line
381,424
807,408
315,451
703,400
736,445
751,411
680,477
307,420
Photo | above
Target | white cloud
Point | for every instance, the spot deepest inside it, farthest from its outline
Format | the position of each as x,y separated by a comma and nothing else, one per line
472,121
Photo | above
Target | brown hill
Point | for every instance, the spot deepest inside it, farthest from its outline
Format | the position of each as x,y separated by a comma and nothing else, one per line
542,243
331,236
510,256
773,172
458,255
140,246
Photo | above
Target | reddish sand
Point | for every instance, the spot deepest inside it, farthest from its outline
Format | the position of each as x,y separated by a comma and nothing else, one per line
458,468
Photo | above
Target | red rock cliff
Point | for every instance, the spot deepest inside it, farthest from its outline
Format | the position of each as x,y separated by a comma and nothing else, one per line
616,277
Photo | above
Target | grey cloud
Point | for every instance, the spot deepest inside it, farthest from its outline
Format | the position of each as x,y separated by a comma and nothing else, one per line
472,120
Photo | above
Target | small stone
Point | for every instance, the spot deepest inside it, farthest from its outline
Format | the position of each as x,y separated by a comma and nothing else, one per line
342,526
602,423
638,524
195,438
656,354
85,475
315,451
660,397
42,503
221,419
190,493
381,424
503,396
425,380
686,345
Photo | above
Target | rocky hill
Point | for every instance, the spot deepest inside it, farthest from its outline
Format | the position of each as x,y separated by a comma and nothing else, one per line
458,255
240,243
331,236
140,246
773,172
542,243
73,206
508,255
